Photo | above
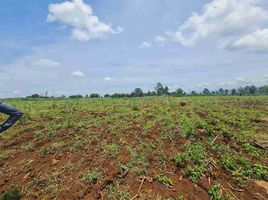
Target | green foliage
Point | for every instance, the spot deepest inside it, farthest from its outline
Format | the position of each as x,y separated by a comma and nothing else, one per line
202,124
195,154
250,149
180,197
91,177
242,168
112,150
216,193
163,180
12,194
194,159
187,127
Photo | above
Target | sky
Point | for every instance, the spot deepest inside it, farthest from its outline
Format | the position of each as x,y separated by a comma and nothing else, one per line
66,47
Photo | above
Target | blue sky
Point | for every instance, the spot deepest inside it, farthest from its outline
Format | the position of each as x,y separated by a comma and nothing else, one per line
107,46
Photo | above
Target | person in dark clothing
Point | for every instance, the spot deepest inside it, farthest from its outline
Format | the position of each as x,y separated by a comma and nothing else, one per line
13,113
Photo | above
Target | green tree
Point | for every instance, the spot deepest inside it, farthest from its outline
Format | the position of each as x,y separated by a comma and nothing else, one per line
179,92
159,89
206,91
137,92
94,95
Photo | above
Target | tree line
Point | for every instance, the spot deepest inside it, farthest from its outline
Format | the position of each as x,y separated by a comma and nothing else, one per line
161,90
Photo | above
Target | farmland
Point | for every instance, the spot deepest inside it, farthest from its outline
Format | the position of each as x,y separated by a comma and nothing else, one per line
137,148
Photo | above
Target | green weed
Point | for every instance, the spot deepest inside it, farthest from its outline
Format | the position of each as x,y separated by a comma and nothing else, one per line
12,194
91,177
164,180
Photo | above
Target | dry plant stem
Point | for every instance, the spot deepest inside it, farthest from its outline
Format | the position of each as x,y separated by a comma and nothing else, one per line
230,192
214,140
139,194
238,190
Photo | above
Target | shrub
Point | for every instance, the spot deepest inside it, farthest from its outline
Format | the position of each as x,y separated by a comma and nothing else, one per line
12,194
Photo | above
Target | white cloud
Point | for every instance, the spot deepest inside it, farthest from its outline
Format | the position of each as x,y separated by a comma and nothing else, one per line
78,73
86,26
145,45
45,63
160,40
256,41
226,18
16,92
107,79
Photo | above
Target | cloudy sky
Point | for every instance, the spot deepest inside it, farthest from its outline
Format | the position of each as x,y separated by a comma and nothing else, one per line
106,46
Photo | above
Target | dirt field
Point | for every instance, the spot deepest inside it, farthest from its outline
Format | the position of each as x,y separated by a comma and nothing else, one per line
148,148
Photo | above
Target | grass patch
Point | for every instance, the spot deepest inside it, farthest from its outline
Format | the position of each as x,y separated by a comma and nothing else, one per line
91,177
112,150
194,160
242,168
164,180
12,194
215,193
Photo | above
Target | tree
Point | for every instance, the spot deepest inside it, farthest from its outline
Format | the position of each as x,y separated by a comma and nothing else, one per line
233,92
166,89
107,96
137,92
94,95
159,89
226,91
34,96
221,91
76,96
253,89
206,91
263,89
179,92
194,93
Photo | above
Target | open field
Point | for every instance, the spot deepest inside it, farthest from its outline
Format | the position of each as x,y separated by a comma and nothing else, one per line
151,148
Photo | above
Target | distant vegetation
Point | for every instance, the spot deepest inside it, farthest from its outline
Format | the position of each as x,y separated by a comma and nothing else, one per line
161,90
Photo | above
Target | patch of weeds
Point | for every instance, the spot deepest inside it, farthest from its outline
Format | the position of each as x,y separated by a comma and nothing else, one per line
180,197
187,127
164,180
112,149
216,193
194,159
27,147
3,156
148,125
77,143
224,130
202,124
250,149
91,177
12,194
138,162
242,168
195,154
196,171
46,151
115,192
135,108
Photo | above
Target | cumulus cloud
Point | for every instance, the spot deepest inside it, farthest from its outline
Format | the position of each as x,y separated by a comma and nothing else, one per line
224,18
256,41
78,73
107,79
145,45
160,40
85,25
45,63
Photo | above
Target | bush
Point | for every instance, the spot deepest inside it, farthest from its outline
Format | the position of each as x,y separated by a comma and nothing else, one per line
12,194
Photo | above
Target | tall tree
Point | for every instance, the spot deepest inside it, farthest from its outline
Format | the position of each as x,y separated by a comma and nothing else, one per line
159,89
206,91
137,92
